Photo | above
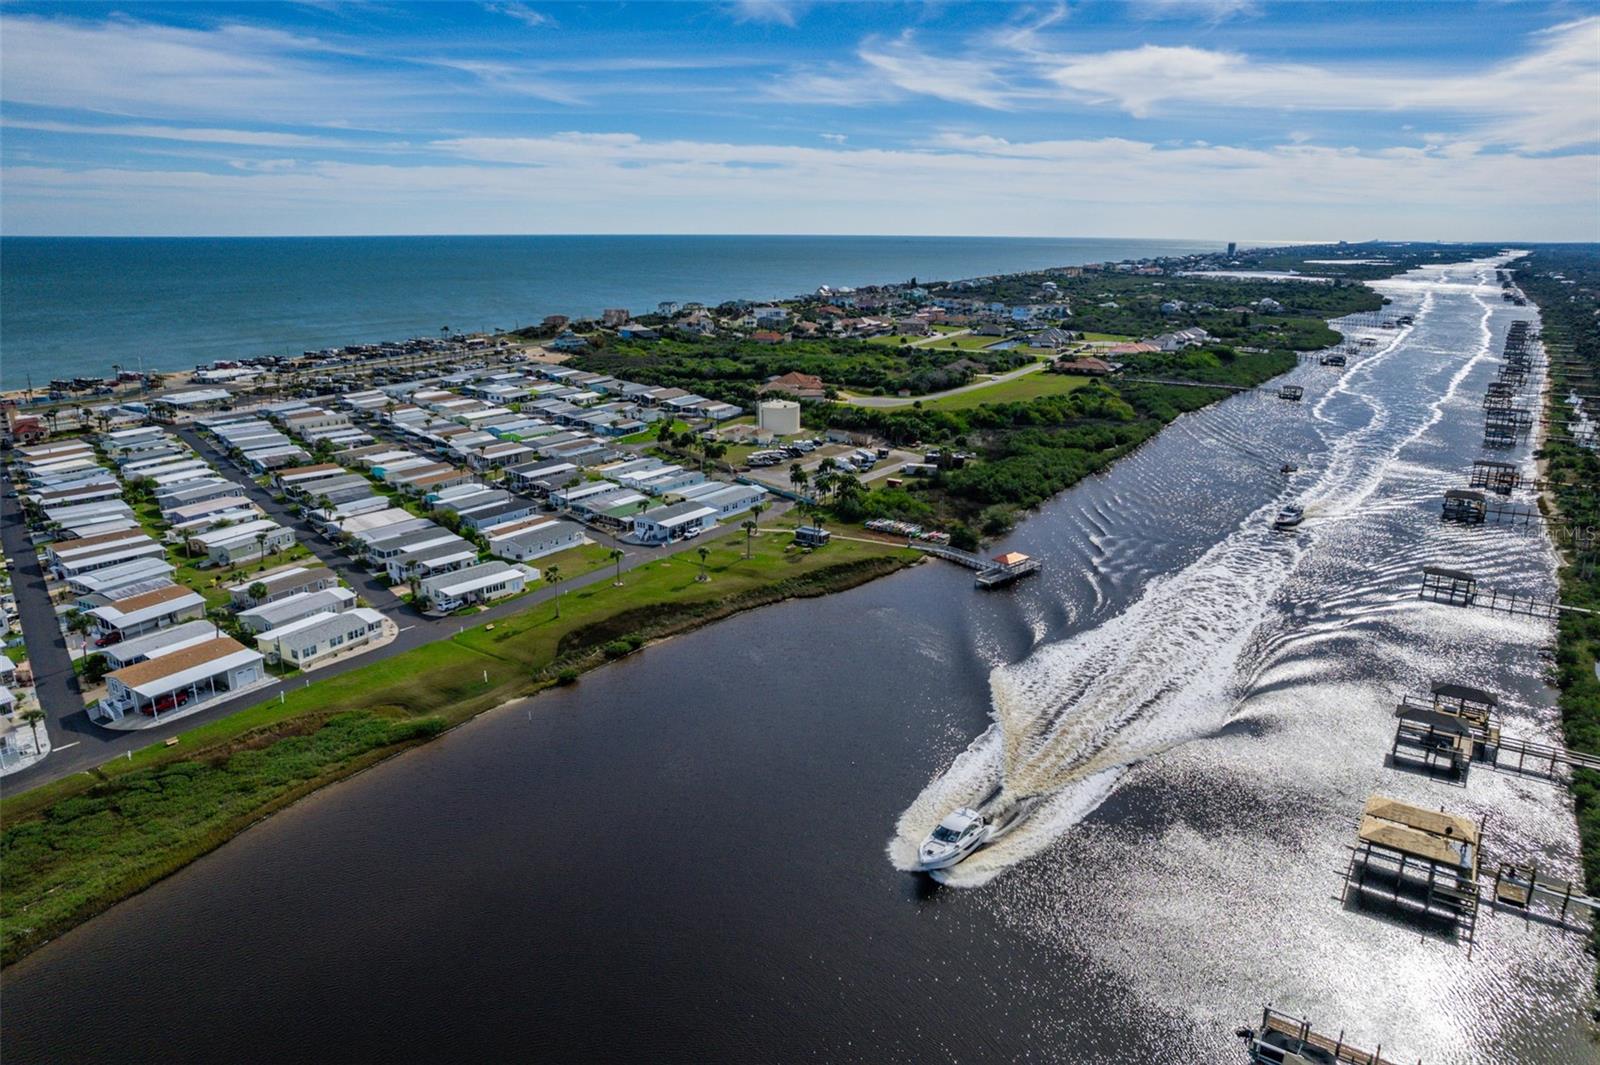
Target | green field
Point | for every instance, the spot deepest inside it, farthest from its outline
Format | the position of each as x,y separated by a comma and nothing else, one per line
74,847
944,343
1028,386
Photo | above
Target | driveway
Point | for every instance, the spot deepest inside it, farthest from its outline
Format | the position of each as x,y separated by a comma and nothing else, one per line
55,685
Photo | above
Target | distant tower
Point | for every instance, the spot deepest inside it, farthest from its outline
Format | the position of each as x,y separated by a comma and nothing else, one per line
1232,247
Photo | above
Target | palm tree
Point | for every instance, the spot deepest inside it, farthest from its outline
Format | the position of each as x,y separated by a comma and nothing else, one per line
325,505
552,577
755,514
261,542
703,552
749,531
798,478
616,556
33,718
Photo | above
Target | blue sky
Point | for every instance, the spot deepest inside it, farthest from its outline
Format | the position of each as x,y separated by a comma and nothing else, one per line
1164,118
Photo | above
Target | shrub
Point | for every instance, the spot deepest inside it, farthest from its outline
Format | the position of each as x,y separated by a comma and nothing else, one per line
567,676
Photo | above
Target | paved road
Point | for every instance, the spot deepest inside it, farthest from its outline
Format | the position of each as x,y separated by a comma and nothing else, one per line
55,684
98,744
935,338
906,401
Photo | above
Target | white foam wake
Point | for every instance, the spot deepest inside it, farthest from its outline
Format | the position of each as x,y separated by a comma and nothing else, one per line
1070,719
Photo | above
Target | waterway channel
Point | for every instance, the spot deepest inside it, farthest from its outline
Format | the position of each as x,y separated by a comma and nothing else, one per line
691,855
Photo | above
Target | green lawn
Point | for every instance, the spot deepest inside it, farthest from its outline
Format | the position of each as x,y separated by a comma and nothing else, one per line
212,582
575,561
964,343
1116,337
944,343
1029,386
645,436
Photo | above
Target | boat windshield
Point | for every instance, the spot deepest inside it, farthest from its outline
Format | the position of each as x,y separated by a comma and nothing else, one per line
945,834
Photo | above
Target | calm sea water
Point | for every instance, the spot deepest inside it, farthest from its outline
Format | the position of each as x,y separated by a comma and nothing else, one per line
76,306
691,855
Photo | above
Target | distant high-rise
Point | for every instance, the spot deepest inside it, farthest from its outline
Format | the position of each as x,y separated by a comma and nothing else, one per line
1232,247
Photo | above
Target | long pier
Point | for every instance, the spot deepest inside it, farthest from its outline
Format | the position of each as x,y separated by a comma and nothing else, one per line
1289,392
991,572
1459,588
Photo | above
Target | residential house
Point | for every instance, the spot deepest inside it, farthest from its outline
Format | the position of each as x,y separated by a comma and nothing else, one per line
139,614
309,640
182,680
675,522
482,583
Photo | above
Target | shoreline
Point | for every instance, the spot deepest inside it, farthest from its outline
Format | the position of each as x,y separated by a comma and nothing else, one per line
826,580
615,635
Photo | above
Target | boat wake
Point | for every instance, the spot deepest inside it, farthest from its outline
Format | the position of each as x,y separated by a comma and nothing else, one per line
1071,719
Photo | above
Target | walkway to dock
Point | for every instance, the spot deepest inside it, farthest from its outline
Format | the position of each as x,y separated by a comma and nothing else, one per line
991,573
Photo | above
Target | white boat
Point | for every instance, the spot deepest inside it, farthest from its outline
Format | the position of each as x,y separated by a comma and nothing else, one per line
965,830
961,832
1289,517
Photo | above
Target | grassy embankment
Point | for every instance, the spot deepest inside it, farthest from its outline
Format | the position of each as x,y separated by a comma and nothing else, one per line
1571,331
75,847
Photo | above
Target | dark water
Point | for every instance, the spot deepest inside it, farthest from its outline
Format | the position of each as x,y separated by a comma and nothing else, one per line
76,306
688,856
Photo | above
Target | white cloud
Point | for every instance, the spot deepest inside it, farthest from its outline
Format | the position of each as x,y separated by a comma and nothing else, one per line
833,138
194,134
621,182
1535,103
777,12
965,81
523,14
1206,10
122,66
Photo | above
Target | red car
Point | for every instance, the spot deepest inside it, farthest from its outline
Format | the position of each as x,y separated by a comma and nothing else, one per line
170,701
114,636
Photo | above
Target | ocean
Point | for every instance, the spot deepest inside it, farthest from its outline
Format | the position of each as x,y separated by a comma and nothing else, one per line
76,306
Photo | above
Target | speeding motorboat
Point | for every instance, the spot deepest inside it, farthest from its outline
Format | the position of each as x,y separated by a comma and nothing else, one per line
1289,517
961,832
1288,468
968,829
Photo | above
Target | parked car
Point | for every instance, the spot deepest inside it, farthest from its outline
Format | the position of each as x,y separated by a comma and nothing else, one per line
114,636
170,701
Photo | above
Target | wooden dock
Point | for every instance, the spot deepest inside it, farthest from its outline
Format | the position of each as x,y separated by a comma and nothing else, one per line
1521,885
1293,393
1278,1028
1418,861
1460,588
992,573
